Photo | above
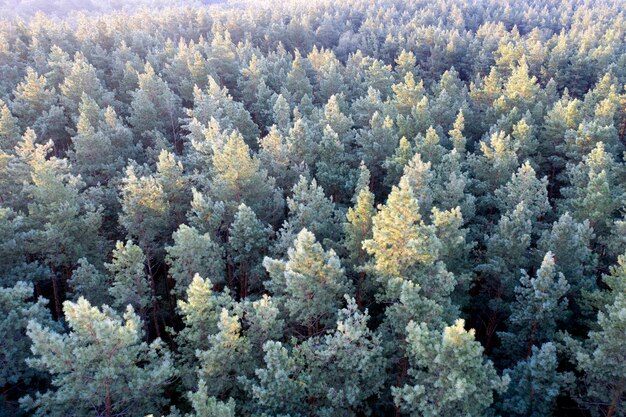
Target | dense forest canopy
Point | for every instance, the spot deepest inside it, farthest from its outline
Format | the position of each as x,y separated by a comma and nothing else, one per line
313,208
59,8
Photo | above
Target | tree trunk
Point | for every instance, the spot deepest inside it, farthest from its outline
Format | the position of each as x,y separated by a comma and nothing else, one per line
155,306
108,408
57,301
618,394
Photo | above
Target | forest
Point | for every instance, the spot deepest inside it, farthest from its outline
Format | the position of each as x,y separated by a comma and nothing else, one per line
313,208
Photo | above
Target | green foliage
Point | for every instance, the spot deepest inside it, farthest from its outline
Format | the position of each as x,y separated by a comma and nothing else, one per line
449,373
238,177
232,172
325,375
535,383
310,284
194,253
247,244
17,310
101,366
130,282
540,304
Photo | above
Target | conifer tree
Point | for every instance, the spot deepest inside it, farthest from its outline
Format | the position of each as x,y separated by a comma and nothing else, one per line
238,177
90,283
217,103
600,360
170,175
394,164
449,374
248,242
154,106
131,285
9,130
310,284
82,79
205,214
193,253
535,383
571,244
278,157
540,304
33,98
358,228
145,209
525,186
64,222
377,143
17,309
326,375
200,312
282,114
400,237
595,193
297,83
309,208
332,170
100,367
205,406
235,350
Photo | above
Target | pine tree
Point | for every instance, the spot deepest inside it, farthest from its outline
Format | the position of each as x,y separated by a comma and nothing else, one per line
205,214
90,283
33,98
280,388
239,178
309,208
449,374
217,103
64,222
248,241
101,367
193,253
418,177
205,406
131,284
326,375
9,130
394,164
332,170
82,79
282,114
93,154
406,94
400,237
377,143
535,384
358,227
277,156
170,175
595,192
540,304
154,106
200,313
571,244
18,308
227,357
365,107
145,208
310,284
337,120
297,83
525,186
600,360
223,57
